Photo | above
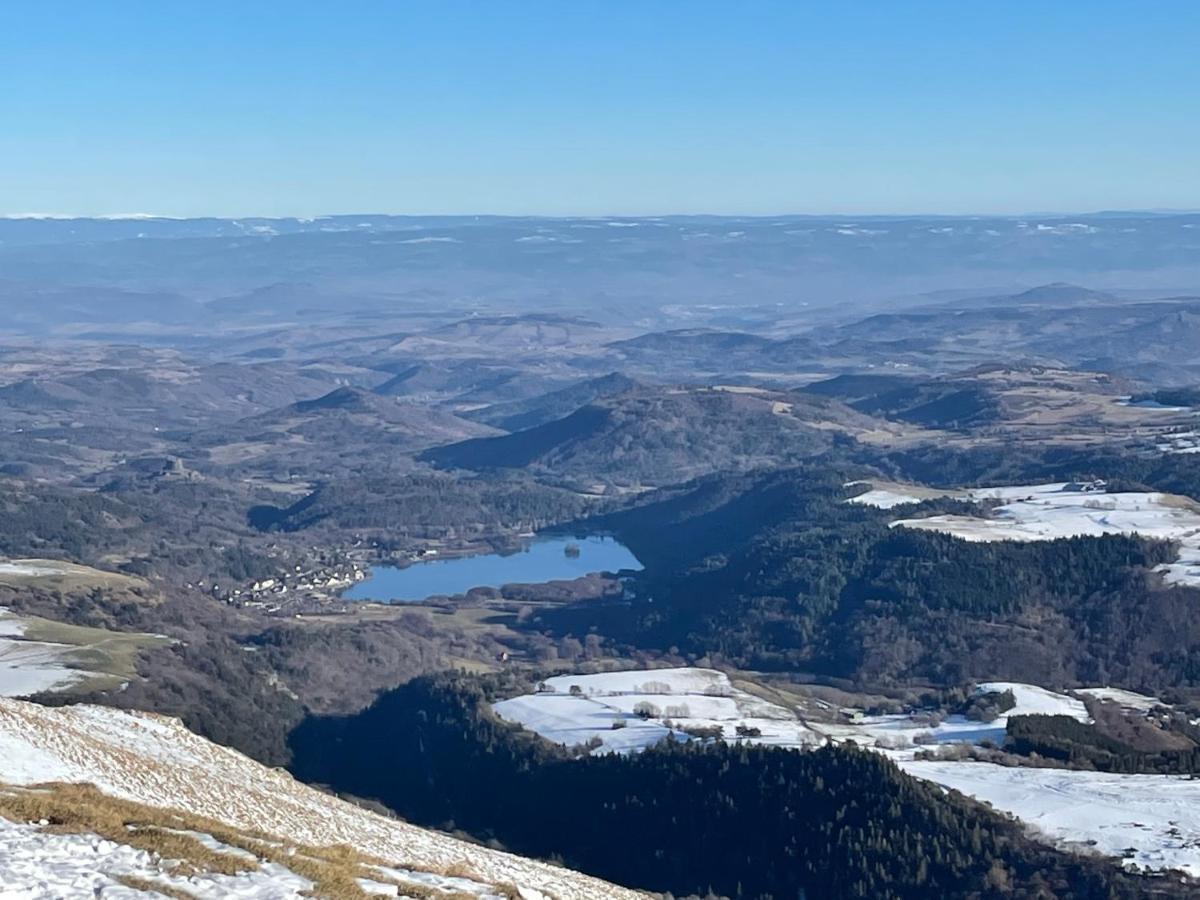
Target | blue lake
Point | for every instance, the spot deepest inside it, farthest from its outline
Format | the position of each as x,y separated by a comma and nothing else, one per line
538,561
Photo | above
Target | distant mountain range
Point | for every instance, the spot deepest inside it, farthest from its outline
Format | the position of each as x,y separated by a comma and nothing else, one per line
635,271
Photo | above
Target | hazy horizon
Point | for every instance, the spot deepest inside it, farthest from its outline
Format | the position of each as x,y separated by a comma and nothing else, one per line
916,214
588,108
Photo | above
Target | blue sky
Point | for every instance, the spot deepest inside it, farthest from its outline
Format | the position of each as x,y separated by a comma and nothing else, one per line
585,107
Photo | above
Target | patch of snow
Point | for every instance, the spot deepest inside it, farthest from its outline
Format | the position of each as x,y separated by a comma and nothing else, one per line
29,667
1155,816
10,625
1152,404
687,697
901,735
1036,701
1046,512
1127,699
1067,228
447,883
29,568
41,865
569,720
884,499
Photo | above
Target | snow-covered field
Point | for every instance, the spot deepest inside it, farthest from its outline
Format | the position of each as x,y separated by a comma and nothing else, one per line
1127,699
900,736
30,568
890,494
574,709
41,655
1045,512
156,761
1158,817
1155,816
884,498
700,698
10,625
27,667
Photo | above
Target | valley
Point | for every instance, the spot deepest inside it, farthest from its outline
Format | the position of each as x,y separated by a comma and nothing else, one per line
599,451
907,584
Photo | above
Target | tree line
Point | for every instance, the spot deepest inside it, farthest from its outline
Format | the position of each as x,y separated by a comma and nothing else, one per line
690,818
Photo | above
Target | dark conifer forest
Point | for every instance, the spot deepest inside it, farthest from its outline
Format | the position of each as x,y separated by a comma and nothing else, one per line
731,820
777,571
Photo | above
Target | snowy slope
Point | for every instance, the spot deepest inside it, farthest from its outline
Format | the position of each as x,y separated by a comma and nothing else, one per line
38,655
156,761
27,667
1127,699
1035,701
1044,512
1157,817
39,864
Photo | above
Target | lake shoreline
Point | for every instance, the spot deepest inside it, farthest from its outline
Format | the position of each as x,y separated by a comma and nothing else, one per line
543,559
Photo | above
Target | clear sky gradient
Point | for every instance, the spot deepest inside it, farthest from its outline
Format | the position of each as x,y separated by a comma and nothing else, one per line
597,106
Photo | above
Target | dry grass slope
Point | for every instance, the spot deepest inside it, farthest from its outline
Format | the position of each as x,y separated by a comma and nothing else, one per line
147,769
172,836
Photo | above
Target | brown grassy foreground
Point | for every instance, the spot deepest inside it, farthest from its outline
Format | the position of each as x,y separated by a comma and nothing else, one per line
171,834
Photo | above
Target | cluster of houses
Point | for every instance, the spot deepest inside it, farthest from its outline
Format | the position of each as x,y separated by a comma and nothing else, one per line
272,593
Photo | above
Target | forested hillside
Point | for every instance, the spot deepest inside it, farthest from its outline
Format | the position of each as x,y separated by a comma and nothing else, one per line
737,821
779,572
663,436
424,505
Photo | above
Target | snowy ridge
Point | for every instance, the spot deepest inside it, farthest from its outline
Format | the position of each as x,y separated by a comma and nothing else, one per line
155,760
